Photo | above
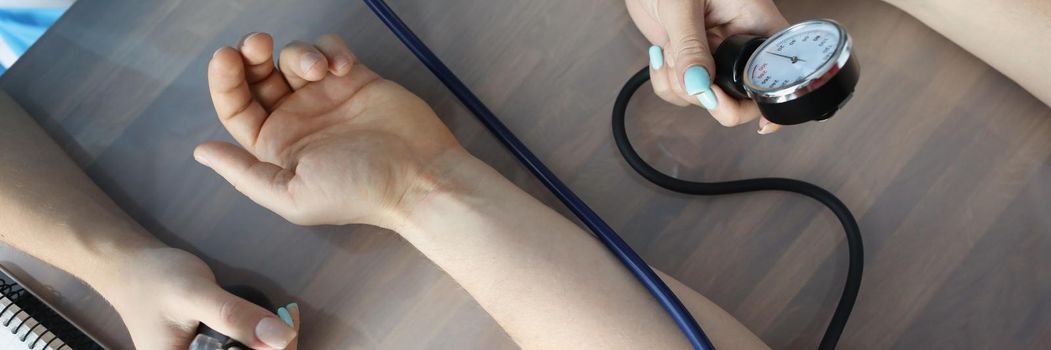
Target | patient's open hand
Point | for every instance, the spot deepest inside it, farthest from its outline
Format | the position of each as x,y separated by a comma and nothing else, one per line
325,140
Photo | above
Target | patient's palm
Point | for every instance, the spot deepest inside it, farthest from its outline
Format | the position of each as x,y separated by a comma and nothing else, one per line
355,143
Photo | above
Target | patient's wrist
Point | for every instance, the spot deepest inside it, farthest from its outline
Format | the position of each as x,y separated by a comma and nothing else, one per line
453,177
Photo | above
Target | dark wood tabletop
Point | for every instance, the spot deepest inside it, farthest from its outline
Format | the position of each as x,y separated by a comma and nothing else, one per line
945,162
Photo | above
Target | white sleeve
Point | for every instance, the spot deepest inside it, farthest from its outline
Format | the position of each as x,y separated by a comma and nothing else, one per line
35,3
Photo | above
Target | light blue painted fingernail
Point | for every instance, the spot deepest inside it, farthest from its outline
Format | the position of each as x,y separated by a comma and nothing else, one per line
708,100
292,306
285,316
656,57
697,81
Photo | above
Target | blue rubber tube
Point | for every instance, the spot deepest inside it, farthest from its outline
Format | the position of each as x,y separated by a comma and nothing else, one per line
605,234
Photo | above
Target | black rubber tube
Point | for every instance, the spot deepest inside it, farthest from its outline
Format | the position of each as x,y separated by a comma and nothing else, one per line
850,225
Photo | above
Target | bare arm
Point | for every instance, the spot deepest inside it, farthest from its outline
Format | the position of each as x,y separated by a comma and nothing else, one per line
1010,35
331,142
549,283
52,211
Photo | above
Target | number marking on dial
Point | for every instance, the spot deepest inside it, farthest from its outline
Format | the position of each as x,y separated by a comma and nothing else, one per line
794,57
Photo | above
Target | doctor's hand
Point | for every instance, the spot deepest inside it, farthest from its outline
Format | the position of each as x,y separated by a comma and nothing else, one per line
174,291
323,139
685,33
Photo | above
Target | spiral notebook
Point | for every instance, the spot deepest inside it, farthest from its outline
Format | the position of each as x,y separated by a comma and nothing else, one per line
28,323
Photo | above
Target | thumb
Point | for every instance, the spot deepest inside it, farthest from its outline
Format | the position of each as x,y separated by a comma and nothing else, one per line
263,183
688,46
242,320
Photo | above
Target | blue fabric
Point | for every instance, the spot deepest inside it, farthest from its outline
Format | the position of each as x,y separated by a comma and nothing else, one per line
21,27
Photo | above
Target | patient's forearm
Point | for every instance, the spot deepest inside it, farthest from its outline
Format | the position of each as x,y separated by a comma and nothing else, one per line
51,210
1010,35
549,284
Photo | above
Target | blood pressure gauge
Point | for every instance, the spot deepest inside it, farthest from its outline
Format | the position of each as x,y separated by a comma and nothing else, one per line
802,73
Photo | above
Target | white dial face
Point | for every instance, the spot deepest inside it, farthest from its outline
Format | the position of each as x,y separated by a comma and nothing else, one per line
789,59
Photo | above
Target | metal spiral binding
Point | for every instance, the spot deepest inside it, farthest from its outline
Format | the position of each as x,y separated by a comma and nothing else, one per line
63,335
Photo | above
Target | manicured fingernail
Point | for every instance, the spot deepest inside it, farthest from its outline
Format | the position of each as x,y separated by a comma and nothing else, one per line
765,127
656,57
308,61
293,306
708,100
274,332
697,81
285,316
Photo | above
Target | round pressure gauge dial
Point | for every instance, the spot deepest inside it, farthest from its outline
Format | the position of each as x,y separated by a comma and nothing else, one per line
802,73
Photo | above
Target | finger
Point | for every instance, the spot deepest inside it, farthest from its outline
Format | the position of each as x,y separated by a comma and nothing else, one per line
242,320
687,50
340,59
241,114
733,112
263,183
266,84
643,13
663,87
675,87
293,308
290,314
302,63
659,78
767,127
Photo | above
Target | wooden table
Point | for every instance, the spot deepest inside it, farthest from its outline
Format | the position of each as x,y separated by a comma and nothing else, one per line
946,163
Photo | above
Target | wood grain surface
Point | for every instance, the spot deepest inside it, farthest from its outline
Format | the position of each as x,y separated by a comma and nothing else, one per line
945,162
